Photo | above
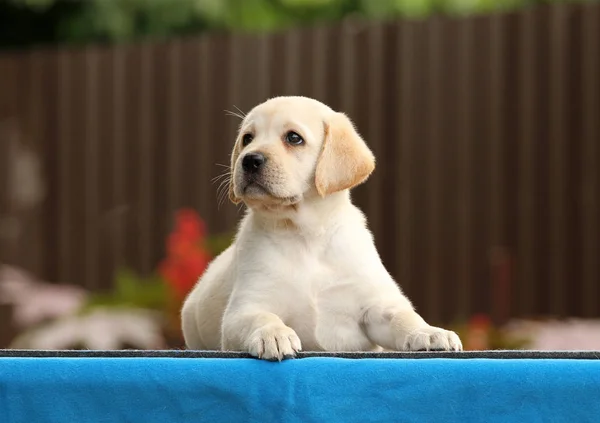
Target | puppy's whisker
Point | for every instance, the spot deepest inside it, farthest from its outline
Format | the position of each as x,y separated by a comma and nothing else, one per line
234,114
220,199
223,190
219,177
223,184
222,165
221,196
223,177
239,110
219,202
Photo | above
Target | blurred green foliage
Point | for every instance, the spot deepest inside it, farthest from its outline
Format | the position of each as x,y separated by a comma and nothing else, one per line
122,20
132,291
216,244
151,292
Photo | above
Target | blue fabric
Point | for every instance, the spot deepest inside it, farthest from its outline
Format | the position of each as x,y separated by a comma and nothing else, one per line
78,390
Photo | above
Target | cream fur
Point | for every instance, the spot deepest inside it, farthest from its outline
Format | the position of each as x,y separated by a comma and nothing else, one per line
303,271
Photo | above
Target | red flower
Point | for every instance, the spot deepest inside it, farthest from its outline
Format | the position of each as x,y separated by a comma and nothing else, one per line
189,224
179,246
186,257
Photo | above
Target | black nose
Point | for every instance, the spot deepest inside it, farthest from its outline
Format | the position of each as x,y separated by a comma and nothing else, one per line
253,162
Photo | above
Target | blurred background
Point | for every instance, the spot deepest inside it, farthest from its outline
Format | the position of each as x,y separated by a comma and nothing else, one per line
484,116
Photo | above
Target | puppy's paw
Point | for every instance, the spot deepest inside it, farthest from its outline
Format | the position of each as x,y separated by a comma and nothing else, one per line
274,343
431,338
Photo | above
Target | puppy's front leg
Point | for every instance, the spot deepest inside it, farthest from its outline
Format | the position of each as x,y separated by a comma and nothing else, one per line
402,328
262,334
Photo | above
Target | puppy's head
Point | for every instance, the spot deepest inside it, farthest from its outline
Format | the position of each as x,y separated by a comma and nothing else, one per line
291,148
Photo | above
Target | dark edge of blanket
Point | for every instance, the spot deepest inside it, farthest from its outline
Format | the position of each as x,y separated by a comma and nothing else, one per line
495,354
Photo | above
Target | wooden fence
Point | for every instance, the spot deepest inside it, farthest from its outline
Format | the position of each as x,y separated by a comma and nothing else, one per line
486,129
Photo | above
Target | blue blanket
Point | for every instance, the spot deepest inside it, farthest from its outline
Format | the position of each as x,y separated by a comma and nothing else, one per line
176,388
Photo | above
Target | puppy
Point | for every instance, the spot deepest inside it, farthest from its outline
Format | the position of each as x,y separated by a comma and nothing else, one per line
303,271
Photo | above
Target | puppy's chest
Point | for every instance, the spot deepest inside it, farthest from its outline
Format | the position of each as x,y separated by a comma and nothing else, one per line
306,278
323,305
307,273
315,291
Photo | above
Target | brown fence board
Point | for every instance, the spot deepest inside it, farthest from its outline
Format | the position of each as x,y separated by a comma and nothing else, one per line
465,155
526,95
590,163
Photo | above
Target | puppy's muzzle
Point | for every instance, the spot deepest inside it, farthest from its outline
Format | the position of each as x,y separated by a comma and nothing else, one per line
253,163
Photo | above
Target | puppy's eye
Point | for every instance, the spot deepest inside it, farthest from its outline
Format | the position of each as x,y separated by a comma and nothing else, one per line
293,138
247,139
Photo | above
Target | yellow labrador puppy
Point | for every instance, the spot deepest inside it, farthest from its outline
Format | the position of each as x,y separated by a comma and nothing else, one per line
303,272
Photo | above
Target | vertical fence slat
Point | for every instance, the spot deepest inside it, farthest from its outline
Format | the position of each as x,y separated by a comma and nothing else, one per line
590,175
404,203
174,139
107,212
556,37
332,56
8,92
131,115
146,130
76,164
346,69
202,131
119,198
319,62
496,160
305,56
542,163
221,92
572,108
390,129
449,173
482,293
276,66
434,147
464,164
186,82
64,107
526,167
264,74
91,170
292,63
420,175
241,75
35,136
159,197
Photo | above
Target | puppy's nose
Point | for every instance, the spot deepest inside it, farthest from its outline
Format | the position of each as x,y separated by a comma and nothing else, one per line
253,162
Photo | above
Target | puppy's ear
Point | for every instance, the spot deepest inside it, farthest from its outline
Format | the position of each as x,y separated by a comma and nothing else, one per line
345,160
234,156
